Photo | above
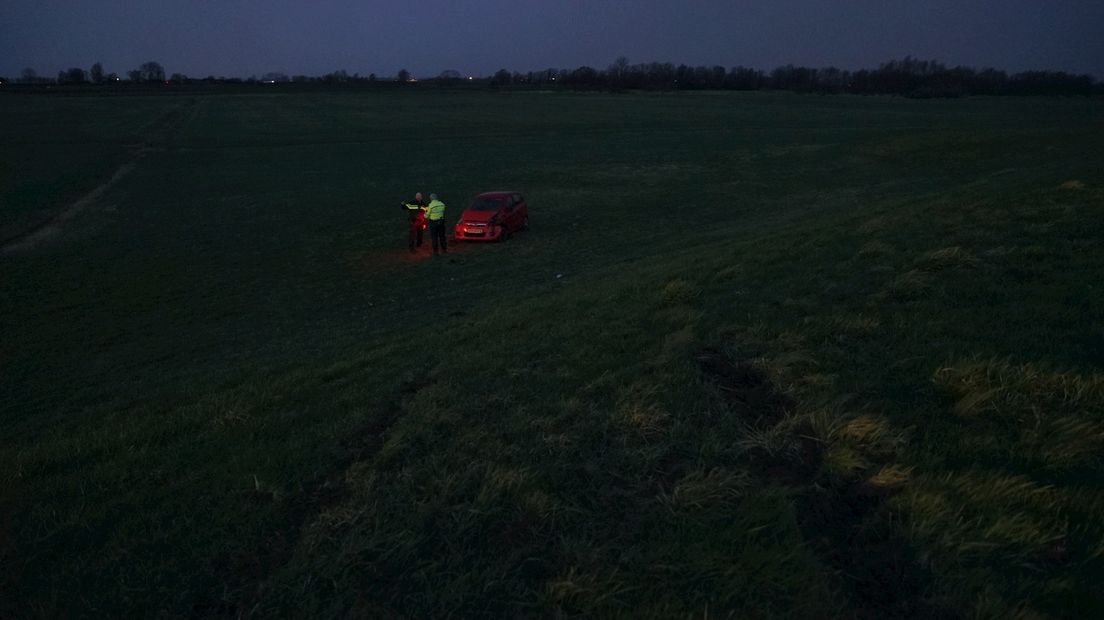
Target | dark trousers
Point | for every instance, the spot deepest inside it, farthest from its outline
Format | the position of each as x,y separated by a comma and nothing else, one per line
415,234
437,234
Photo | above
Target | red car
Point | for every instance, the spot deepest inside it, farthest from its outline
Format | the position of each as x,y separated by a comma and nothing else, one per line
493,216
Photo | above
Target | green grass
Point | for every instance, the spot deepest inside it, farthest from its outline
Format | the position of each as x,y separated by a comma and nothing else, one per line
761,355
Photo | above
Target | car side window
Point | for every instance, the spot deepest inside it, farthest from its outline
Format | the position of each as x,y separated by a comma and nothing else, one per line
516,199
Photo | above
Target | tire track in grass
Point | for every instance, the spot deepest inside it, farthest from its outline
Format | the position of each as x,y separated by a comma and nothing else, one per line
159,132
51,227
877,568
246,575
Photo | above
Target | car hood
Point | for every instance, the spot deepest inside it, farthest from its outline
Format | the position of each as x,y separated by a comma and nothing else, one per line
478,216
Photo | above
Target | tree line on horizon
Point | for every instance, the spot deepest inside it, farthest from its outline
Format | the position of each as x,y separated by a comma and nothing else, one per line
908,77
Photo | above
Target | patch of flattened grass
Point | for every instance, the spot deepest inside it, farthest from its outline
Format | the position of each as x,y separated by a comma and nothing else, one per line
875,225
647,418
875,249
947,258
873,434
1056,418
729,273
911,285
857,325
1026,440
918,282
978,515
889,479
702,489
679,291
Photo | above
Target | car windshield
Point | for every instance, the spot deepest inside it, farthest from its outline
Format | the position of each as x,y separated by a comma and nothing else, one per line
486,204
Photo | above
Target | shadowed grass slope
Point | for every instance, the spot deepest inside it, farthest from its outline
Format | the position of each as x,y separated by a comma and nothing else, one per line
806,357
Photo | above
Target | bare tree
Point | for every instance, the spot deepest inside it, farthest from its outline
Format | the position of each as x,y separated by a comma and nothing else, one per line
96,73
74,75
619,70
404,75
151,72
28,76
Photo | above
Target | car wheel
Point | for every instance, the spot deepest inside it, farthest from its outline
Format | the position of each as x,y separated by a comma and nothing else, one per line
505,236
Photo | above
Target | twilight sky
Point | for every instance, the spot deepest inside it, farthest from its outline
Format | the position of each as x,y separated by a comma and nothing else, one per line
247,37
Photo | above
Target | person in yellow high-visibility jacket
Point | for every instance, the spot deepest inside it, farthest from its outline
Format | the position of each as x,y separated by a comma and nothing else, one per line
435,214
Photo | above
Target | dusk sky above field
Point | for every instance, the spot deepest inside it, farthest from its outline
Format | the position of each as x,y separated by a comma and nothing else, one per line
253,37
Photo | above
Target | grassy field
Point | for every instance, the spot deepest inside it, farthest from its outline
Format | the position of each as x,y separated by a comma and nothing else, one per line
760,355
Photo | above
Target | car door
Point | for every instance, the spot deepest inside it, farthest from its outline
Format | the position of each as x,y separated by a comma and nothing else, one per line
520,211
509,213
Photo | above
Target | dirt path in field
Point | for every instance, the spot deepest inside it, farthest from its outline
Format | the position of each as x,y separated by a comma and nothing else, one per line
158,132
